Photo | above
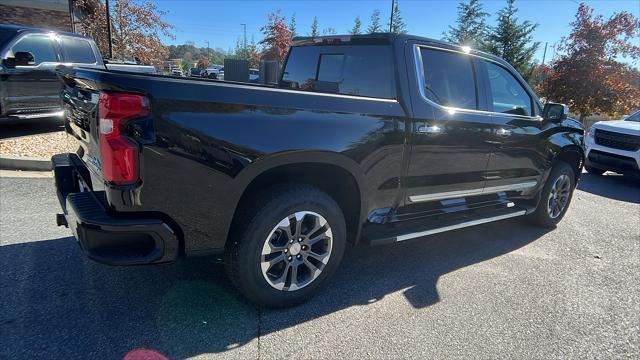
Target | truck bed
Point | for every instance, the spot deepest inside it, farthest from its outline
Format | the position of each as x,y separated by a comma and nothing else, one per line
214,130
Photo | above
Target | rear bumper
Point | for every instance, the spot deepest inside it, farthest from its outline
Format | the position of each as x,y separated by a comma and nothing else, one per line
104,236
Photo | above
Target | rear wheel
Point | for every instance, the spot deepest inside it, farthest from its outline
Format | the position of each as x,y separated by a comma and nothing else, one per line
594,171
287,247
555,197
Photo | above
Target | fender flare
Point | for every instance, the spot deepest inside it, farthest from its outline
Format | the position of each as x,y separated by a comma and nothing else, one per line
251,172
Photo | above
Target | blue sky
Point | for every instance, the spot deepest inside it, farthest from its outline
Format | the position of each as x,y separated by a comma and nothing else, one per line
218,21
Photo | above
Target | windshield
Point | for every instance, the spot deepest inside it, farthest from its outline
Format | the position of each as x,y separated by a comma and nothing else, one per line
634,117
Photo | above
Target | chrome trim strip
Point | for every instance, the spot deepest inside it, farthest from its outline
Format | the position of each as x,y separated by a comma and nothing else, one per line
472,192
459,226
453,110
512,187
444,195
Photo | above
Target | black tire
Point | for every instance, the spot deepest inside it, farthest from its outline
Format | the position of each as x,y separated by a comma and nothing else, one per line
542,216
594,171
243,254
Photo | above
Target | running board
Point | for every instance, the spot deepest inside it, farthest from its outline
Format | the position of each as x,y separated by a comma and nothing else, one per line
447,226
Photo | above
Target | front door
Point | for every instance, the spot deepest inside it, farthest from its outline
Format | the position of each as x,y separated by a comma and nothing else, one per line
33,88
518,160
450,138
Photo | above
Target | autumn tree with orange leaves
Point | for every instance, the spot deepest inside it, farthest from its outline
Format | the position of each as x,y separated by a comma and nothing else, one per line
589,76
277,38
135,28
203,63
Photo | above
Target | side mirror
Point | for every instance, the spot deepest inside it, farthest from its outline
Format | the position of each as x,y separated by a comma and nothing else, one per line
555,112
21,58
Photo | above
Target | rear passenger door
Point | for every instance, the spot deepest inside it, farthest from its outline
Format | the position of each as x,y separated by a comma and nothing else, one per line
518,159
450,137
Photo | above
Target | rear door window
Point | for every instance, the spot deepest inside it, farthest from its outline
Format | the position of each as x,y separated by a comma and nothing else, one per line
76,50
449,79
363,70
39,45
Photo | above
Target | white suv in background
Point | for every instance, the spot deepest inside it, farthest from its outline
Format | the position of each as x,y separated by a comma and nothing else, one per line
614,146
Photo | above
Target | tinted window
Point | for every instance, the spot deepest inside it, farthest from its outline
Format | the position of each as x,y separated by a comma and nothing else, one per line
41,46
507,94
5,36
634,117
364,70
449,79
77,50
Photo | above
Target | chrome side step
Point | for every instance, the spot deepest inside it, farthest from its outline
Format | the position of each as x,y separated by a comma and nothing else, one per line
410,229
459,226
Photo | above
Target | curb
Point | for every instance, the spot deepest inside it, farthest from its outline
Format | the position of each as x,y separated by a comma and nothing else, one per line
24,163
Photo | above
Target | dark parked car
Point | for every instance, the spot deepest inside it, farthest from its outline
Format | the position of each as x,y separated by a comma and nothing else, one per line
195,72
374,138
29,87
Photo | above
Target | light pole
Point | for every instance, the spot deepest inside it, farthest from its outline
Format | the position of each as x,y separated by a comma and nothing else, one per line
244,48
109,31
391,17
73,28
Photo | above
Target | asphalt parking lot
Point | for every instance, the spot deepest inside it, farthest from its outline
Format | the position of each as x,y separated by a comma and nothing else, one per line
501,290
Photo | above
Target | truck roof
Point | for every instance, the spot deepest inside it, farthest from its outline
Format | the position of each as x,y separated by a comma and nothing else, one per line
20,28
383,39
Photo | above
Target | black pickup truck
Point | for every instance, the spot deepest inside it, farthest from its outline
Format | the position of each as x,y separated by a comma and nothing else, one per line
29,87
374,138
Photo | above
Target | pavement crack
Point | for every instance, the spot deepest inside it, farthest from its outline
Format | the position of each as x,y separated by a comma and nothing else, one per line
259,329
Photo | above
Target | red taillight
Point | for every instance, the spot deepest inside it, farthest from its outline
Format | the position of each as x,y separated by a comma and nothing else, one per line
118,154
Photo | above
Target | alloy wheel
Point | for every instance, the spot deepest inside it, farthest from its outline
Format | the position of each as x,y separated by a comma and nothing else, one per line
296,251
559,196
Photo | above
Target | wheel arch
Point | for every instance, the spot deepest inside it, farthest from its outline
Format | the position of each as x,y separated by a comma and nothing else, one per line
567,146
574,156
333,173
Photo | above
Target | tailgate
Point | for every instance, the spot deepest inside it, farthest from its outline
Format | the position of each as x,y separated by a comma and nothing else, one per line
81,121
109,147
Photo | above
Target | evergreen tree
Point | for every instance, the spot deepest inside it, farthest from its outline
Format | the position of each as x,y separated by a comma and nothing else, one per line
397,25
292,26
471,27
356,26
314,27
375,27
512,41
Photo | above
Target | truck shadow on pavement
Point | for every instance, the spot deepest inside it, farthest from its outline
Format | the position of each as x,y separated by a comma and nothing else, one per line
31,127
612,186
54,303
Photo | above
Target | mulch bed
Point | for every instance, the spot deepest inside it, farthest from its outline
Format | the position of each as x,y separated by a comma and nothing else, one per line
38,146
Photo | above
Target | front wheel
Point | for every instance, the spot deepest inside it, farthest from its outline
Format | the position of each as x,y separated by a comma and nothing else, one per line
288,247
555,196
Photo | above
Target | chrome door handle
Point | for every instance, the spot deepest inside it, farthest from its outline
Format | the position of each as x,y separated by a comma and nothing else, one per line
430,129
503,132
